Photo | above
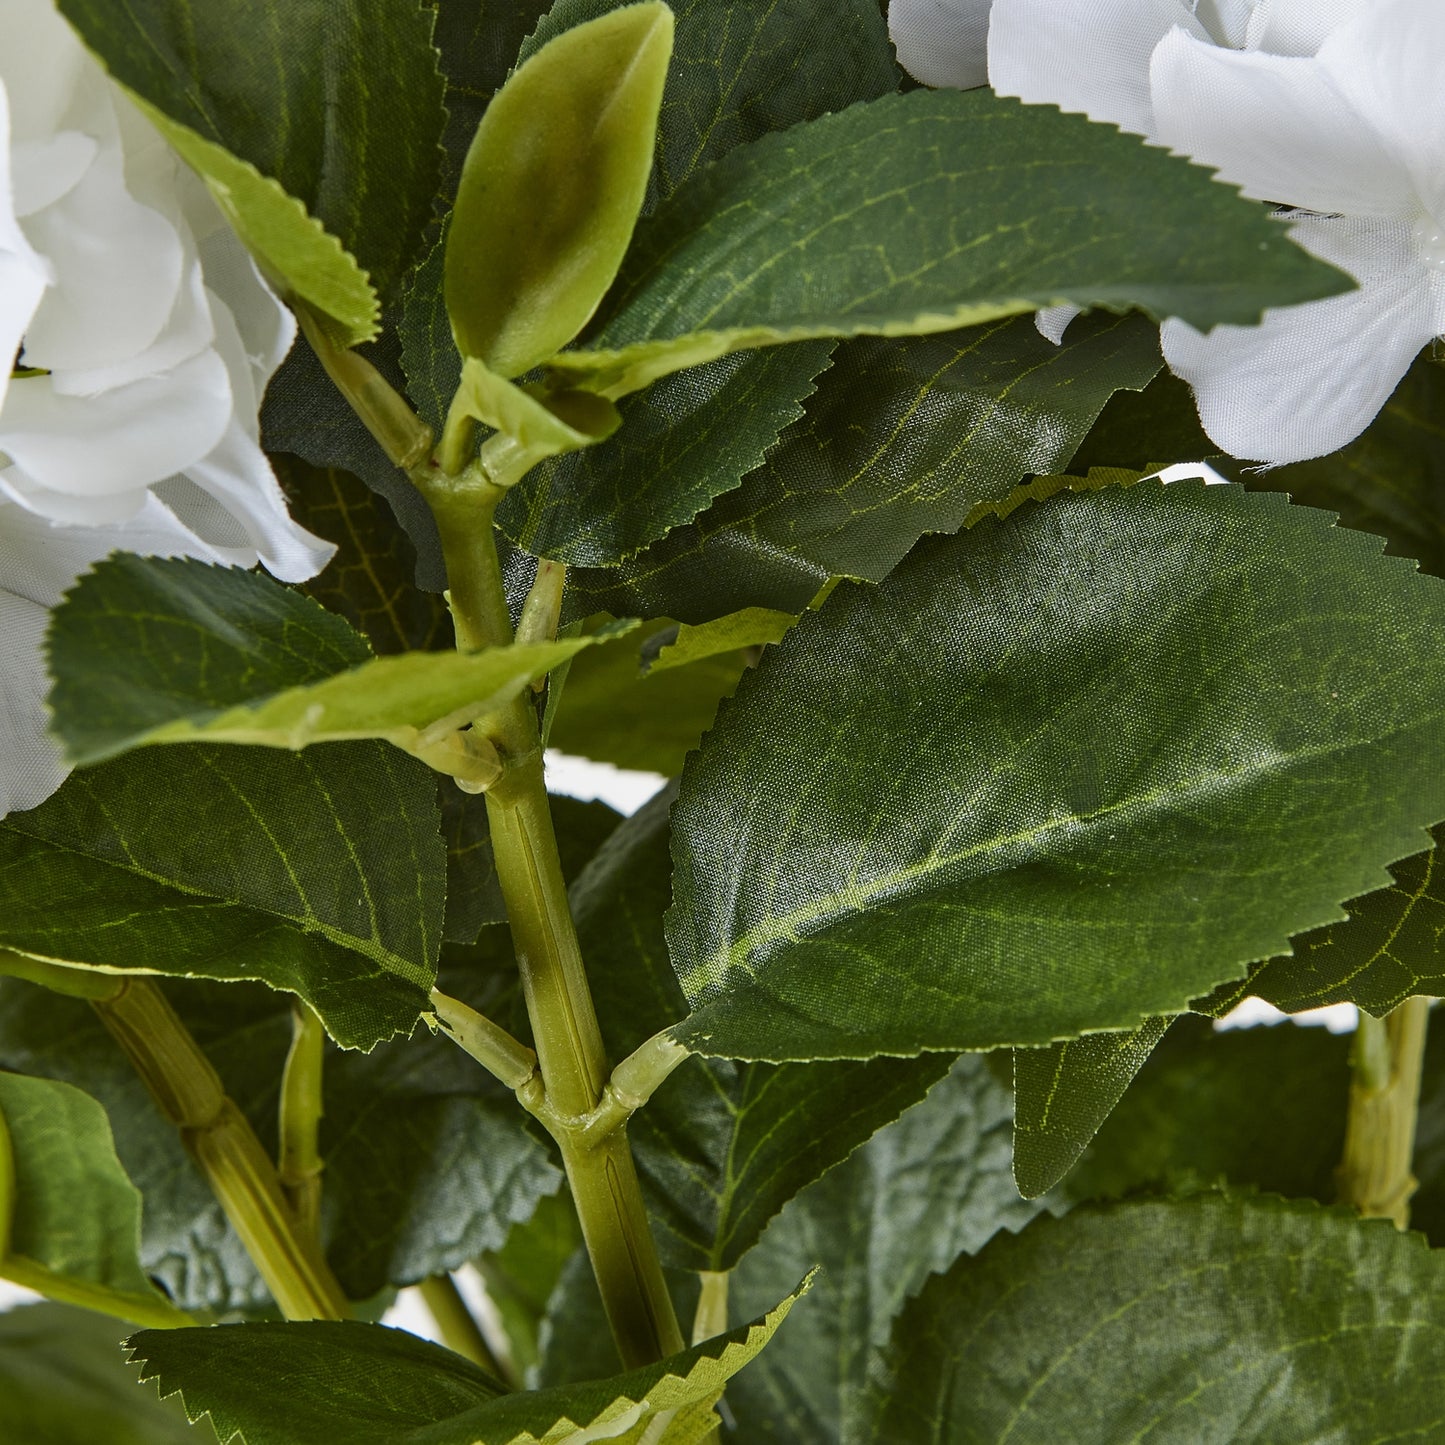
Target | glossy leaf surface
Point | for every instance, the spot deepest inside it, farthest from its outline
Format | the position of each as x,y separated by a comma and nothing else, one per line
337,100
387,1387
904,436
1125,711
323,875
1205,1319
552,186
912,207
757,1134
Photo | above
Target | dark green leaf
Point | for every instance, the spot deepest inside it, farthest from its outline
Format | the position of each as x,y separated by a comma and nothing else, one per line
756,1134
928,1187
426,1162
1209,1319
1064,1092
321,873
383,1387
1057,774
1143,429
369,581
64,1381
73,1215
904,437
1391,946
338,100
913,207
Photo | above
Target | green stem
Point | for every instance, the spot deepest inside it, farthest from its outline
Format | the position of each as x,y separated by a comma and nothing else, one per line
489,1044
711,1318
299,1161
1375,1173
218,1136
459,1330
75,981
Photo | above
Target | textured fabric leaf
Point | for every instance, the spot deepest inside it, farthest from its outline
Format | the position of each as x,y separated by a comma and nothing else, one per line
1151,731
75,1216
1210,1319
426,1164
753,627
905,436
157,650
932,1185
1063,1093
1391,946
617,710
64,1380
322,874
1144,428
757,1134
388,1387
912,207
338,100
369,581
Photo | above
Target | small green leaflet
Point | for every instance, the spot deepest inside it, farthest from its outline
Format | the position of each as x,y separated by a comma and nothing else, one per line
1059,773
148,650
913,208
1214,1318
376,1386
340,102
1063,1093
69,1216
752,627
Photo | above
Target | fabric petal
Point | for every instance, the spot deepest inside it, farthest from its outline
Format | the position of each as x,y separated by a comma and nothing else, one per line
1277,127
123,439
47,71
1387,61
1053,321
30,765
1309,379
23,274
43,171
942,42
1083,55
1299,27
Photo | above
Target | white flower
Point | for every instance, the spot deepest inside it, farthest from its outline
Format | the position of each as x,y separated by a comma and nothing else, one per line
1331,107
145,339
941,42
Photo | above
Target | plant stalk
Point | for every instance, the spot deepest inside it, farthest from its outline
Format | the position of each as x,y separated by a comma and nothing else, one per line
1375,1173
219,1138
299,1163
459,1329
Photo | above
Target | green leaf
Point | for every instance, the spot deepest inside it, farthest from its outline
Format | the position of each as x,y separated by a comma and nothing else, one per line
369,581
64,1381
297,253
757,1134
339,101
425,1163
914,206
614,711
904,437
1211,1318
1389,947
753,627
1063,1093
1146,733
552,186
384,1386
321,874
148,650
73,1215
1143,429
932,1185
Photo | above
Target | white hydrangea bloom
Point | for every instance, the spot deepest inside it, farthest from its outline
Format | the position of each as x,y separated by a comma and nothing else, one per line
148,338
1330,107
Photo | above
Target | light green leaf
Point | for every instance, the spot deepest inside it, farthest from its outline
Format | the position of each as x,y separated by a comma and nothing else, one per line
338,101
552,186
1210,1319
931,1186
322,874
148,650
384,1386
69,1216
298,254
1150,731
426,1165
757,1134
543,424
914,207
1063,1093
752,627
64,1381
904,437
